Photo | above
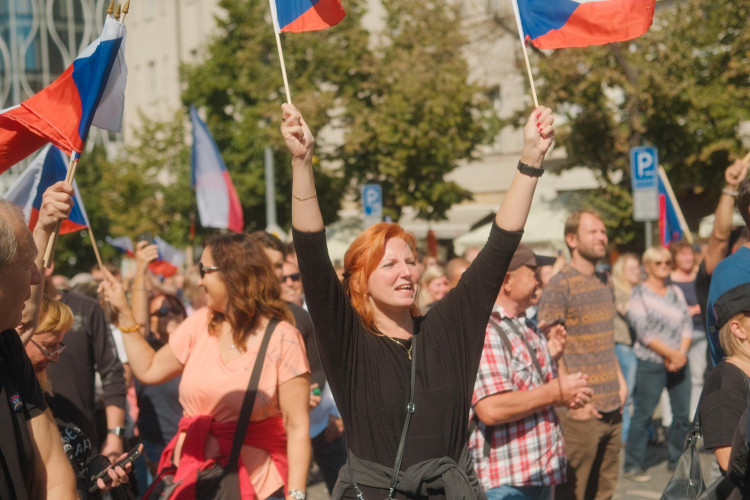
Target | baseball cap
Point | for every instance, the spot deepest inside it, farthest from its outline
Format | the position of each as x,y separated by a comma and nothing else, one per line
524,256
730,303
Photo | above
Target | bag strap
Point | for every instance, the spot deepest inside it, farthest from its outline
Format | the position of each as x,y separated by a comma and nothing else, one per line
410,408
532,351
247,403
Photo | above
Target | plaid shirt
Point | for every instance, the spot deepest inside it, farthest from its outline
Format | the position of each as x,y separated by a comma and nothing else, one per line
529,451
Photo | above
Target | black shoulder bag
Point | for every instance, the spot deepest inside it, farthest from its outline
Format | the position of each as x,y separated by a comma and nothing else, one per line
222,482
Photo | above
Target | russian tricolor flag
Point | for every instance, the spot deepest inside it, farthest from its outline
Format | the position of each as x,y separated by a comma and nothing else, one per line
556,24
296,16
63,112
218,204
49,167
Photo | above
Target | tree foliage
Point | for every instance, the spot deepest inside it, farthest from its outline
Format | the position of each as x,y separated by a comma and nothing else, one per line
681,87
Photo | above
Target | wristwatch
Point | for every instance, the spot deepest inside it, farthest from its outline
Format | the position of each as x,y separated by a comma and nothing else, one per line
297,494
117,431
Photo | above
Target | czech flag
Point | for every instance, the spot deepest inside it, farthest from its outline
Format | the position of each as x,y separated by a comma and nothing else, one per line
218,204
164,265
670,228
296,16
63,112
123,244
49,167
557,24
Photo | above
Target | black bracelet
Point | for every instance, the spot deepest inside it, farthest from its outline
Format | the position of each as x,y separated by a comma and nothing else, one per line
529,170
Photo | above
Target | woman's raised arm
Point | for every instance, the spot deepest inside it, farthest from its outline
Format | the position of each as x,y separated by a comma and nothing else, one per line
306,214
538,137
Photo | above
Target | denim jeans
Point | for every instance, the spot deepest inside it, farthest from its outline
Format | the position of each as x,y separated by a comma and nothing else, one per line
507,492
650,379
628,365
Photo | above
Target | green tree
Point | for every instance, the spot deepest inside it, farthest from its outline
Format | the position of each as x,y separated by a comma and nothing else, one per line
415,114
681,87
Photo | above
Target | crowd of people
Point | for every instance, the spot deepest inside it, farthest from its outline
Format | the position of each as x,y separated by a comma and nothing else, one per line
498,374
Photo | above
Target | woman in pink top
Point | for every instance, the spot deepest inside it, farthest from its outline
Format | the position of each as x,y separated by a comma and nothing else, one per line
215,350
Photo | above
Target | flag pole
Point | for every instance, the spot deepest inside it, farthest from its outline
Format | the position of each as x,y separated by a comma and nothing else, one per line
276,31
670,193
525,52
49,253
96,249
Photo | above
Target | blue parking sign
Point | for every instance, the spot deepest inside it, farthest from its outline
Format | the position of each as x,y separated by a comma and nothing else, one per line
372,200
644,161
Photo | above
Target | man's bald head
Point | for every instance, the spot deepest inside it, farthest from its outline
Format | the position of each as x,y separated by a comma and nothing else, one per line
18,270
11,222
454,269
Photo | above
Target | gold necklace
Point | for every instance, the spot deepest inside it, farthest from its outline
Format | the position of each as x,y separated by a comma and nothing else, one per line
408,350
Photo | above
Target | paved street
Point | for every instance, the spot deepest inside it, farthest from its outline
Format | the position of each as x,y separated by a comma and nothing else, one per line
626,490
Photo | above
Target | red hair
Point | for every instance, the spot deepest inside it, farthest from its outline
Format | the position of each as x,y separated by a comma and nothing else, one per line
362,258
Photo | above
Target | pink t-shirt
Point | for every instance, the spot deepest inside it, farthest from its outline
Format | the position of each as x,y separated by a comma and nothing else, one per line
209,386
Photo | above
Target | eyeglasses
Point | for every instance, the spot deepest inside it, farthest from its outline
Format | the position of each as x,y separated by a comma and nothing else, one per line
165,311
205,270
293,277
49,355
662,262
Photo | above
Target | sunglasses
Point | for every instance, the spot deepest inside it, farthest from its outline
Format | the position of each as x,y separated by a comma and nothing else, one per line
165,311
662,263
205,270
49,355
293,277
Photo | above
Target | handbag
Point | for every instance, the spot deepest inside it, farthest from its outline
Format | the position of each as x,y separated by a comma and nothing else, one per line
219,480
687,482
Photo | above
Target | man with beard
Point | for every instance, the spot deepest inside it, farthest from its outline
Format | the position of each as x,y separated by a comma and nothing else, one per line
584,301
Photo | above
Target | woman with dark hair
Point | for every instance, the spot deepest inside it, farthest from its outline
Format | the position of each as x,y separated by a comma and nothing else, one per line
214,350
369,331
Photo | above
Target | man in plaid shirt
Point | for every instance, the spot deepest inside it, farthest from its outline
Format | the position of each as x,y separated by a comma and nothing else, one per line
516,441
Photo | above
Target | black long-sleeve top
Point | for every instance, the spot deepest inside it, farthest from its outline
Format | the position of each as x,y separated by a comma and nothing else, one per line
369,375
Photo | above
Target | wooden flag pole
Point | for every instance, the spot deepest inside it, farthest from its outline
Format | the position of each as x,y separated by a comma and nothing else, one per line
276,31
96,249
525,52
678,210
49,253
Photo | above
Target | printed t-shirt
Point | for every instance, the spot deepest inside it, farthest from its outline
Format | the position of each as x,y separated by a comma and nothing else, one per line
209,386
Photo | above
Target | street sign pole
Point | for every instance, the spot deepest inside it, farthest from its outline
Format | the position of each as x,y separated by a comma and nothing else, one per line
644,161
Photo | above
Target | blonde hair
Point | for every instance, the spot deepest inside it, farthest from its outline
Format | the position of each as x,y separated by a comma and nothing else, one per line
655,253
618,273
732,345
54,316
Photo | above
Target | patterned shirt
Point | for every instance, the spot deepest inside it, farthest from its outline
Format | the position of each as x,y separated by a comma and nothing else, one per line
587,305
655,317
529,451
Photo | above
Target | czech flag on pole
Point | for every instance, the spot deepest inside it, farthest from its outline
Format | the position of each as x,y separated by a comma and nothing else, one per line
296,16
218,204
557,24
670,228
63,112
49,167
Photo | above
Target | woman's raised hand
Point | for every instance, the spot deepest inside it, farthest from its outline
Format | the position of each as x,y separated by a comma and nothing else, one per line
298,137
113,292
538,136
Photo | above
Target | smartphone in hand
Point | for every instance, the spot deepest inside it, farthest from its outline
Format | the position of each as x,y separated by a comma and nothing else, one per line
103,474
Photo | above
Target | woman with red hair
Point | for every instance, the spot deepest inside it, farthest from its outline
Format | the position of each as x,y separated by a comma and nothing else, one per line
403,382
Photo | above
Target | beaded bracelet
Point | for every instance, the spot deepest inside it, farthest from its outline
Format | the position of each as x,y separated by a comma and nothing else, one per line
132,329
